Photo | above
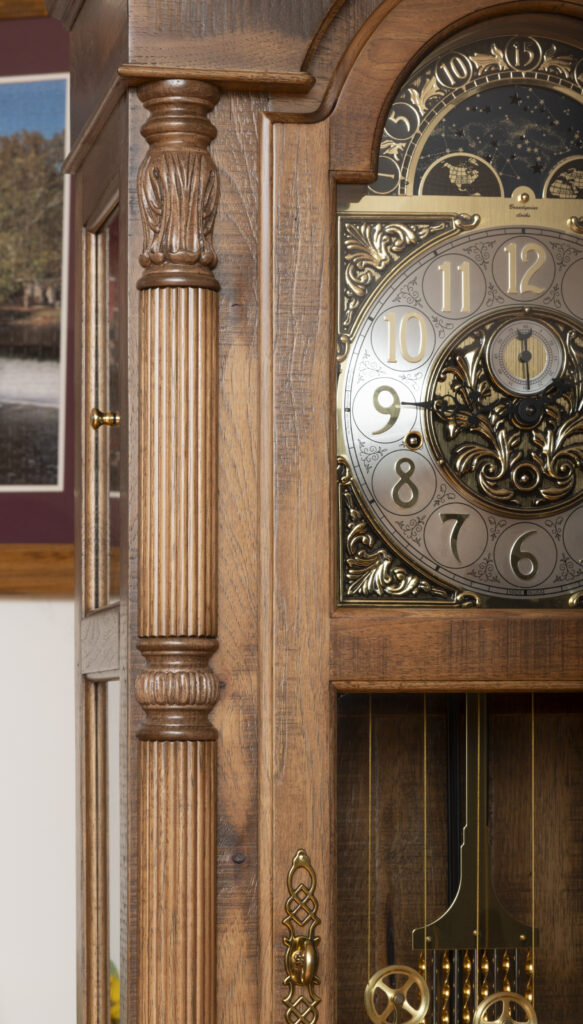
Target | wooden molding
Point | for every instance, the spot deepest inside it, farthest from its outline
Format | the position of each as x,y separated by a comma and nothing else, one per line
22,9
178,192
242,78
40,570
177,548
65,10
178,690
177,857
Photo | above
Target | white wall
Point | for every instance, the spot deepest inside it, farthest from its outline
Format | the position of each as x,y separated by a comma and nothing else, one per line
37,811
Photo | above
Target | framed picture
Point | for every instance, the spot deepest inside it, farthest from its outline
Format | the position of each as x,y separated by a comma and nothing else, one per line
36,401
34,209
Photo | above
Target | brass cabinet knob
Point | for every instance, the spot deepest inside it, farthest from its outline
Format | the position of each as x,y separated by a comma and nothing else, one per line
302,960
103,419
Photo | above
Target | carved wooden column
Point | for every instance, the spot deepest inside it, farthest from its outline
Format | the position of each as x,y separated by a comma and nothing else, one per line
178,194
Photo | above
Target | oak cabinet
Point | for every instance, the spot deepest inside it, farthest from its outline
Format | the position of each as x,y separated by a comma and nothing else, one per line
297,769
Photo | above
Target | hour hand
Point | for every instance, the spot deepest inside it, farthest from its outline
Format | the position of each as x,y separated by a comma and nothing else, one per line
429,404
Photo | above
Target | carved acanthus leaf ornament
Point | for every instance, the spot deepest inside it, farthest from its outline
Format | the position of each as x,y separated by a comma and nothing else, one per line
369,248
178,185
370,570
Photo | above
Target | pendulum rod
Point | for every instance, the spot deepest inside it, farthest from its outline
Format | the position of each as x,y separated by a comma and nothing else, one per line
433,987
425,827
476,918
454,821
369,894
530,956
476,927
478,794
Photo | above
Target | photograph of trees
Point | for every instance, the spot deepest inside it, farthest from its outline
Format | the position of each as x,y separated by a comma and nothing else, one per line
32,149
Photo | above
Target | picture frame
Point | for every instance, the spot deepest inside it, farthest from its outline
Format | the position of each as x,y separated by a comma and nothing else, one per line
36,512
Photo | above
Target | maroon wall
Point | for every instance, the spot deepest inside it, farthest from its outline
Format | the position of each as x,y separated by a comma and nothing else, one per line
40,46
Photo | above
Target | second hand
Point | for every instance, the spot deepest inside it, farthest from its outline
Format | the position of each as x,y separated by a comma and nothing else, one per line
526,355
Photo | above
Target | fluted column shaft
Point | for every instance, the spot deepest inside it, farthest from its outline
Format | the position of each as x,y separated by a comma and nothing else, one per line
177,613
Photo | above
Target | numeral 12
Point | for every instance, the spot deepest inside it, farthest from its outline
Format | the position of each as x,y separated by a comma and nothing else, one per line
525,285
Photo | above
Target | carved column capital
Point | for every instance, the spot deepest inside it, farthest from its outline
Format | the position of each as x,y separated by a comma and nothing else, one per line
178,689
178,185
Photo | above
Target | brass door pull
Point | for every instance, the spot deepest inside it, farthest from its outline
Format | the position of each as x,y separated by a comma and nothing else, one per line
301,956
103,419
301,960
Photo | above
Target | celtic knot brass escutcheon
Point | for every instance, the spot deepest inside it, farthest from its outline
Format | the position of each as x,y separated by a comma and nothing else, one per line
301,957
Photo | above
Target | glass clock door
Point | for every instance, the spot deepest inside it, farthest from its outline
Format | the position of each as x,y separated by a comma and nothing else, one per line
101,699
460,351
460,486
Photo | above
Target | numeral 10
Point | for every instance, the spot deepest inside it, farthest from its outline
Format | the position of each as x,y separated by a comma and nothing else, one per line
397,337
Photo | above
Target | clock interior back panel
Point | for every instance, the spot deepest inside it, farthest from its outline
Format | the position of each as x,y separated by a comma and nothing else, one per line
399,832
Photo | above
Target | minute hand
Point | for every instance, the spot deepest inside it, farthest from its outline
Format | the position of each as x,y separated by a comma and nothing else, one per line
450,404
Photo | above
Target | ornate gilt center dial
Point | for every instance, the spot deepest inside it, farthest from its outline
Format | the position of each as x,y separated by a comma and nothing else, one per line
504,412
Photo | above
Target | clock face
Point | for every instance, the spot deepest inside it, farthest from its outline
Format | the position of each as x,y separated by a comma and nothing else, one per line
460,311
460,410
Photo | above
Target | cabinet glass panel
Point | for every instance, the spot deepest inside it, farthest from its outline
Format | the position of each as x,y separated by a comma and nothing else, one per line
114,846
102,470
460,841
113,400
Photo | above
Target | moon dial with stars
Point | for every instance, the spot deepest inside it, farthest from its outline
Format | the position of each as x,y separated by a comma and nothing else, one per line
516,130
483,120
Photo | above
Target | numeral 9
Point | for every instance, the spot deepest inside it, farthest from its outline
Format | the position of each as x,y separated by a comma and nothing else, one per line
391,410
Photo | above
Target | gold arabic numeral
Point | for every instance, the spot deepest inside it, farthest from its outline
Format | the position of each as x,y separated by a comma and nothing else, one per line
404,469
445,269
391,410
463,270
525,285
391,337
397,337
458,519
522,54
403,121
518,554
454,71
518,51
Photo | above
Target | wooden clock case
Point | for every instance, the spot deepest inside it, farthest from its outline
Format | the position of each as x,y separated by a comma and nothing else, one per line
228,552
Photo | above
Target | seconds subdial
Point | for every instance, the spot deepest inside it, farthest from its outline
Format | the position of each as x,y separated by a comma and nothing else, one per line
525,355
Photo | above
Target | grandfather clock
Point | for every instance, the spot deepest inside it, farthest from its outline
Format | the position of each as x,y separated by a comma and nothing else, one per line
330,476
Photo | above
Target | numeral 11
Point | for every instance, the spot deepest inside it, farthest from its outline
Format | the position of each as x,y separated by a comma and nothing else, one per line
446,287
